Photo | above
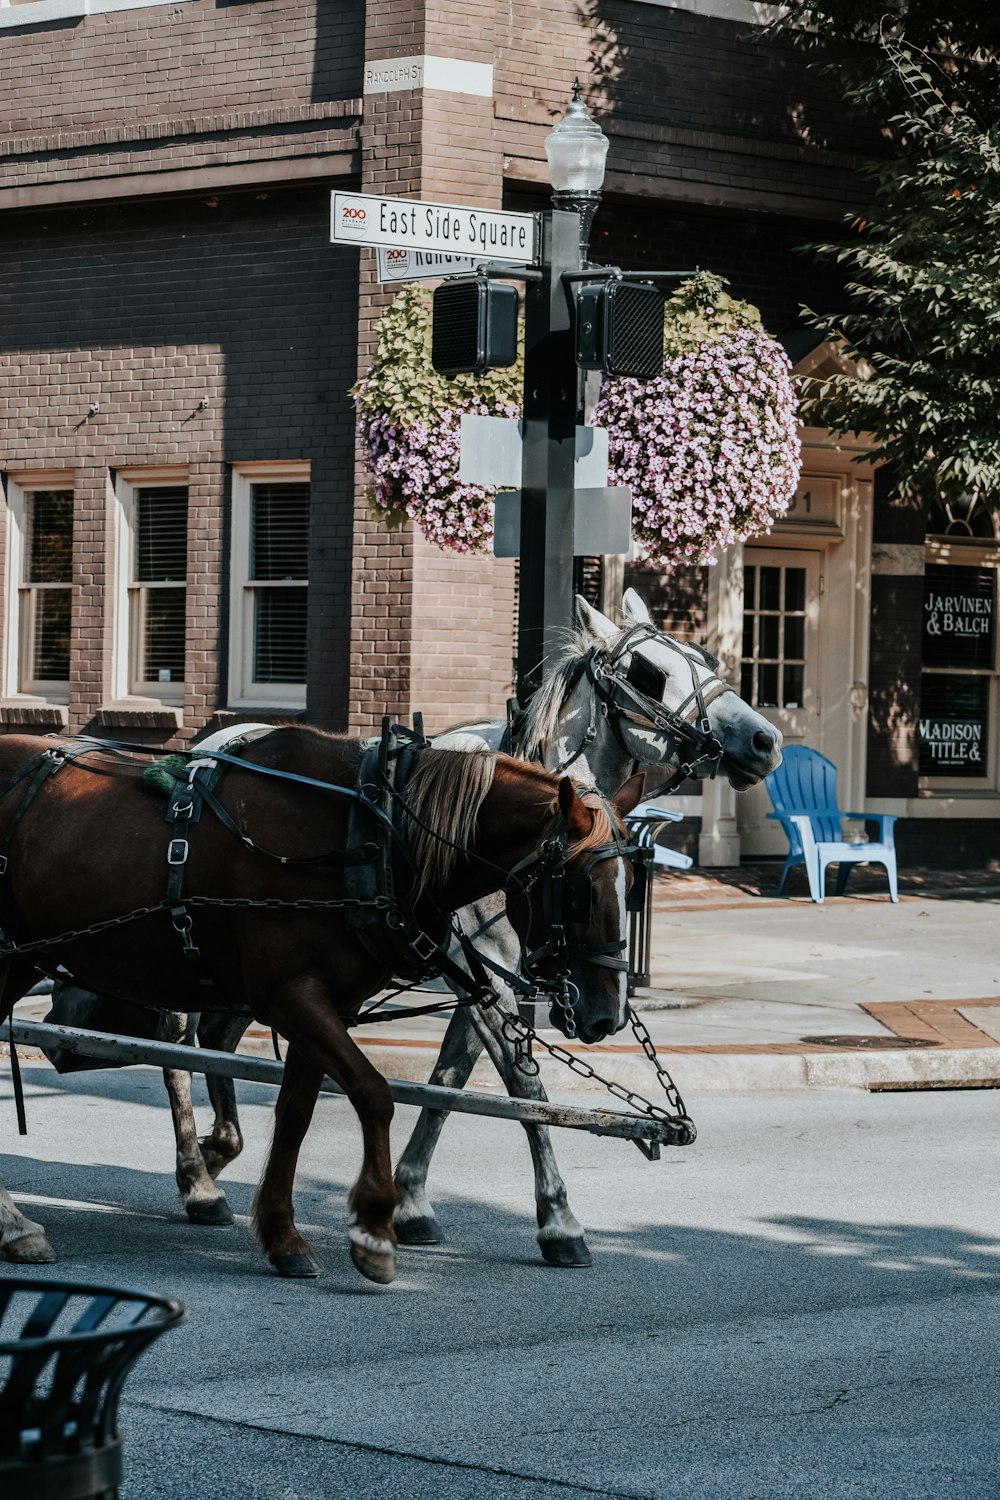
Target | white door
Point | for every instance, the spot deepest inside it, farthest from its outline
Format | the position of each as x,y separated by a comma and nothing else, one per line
780,667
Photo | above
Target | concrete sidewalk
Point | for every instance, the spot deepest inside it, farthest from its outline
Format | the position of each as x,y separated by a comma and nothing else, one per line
750,992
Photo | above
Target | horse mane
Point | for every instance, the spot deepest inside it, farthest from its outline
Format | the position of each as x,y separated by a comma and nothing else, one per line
540,723
604,829
445,793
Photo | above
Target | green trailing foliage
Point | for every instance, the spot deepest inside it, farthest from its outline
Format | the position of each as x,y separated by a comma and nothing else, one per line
921,309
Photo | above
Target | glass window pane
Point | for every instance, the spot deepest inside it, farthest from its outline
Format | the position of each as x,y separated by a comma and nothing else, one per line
50,656
164,644
770,588
49,551
769,625
953,725
748,635
279,637
795,638
792,687
746,682
767,686
280,533
749,587
161,535
795,588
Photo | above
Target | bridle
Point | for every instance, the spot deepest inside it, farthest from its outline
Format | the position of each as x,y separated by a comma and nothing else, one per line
567,895
636,695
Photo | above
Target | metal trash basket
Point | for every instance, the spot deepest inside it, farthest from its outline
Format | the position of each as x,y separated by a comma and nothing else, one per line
643,824
65,1350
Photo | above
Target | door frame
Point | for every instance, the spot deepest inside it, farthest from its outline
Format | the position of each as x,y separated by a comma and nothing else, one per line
844,631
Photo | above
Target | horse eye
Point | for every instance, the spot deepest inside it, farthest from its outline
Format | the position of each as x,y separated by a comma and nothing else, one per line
646,678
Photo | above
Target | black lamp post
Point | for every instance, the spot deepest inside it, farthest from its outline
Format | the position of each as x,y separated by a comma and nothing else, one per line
576,151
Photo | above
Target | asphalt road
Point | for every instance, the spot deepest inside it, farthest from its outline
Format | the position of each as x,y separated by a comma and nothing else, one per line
805,1303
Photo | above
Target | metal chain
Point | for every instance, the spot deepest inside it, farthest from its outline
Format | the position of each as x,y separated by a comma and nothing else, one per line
684,1129
39,945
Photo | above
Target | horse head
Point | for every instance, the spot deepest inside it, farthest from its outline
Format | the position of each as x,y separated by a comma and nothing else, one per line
701,721
568,903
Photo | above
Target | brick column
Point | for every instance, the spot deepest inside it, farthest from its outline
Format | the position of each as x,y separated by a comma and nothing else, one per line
432,631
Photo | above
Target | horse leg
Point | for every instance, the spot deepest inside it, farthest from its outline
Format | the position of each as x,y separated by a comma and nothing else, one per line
560,1236
21,1240
319,1043
222,1031
204,1202
414,1217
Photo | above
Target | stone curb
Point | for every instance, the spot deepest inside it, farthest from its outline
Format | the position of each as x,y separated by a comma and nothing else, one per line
733,1072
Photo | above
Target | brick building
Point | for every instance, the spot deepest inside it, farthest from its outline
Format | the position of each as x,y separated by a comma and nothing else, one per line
186,541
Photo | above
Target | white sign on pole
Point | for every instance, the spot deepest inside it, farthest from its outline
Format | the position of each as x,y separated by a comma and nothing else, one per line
406,223
490,453
397,264
602,522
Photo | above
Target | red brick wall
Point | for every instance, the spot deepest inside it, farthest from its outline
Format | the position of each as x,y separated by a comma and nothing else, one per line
175,61
146,312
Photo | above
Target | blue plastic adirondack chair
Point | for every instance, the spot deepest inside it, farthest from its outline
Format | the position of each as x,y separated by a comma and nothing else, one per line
803,791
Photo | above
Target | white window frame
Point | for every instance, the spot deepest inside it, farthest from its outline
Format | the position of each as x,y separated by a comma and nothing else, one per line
17,685
128,634
243,691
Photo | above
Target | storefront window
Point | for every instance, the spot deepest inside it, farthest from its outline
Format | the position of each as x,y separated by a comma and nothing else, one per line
959,658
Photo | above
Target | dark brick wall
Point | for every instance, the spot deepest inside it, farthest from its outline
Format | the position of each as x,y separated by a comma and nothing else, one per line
177,61
948,843
146,312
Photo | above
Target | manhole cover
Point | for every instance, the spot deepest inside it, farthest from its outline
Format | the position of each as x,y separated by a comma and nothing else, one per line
869,1043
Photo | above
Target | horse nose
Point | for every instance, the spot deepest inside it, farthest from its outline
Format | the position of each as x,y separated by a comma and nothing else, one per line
766,741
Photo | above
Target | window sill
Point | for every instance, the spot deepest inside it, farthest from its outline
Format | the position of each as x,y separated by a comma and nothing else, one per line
225,718
138,716
35,715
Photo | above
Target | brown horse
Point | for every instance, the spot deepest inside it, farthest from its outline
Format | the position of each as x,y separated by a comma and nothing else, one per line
92,845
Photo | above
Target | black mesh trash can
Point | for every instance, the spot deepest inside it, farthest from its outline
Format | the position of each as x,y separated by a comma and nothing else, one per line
64,1352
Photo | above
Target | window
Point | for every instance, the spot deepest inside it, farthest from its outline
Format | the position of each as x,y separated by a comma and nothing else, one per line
773,665
956,683
270,578
153,588
39,591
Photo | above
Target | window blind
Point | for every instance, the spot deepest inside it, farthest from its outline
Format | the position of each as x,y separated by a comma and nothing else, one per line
161,535
49,566
279,568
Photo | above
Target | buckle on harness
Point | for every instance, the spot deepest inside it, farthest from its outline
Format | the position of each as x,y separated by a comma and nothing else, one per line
3,864
424,946
177,852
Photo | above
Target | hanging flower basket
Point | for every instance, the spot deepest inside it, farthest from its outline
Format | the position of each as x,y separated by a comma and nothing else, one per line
408,426
709,448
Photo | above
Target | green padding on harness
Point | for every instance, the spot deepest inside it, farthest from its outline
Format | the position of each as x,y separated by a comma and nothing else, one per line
157,778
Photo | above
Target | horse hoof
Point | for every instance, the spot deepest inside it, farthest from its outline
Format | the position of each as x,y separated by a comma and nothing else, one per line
373,1256
375,1265
570,1254
215,1211
299,1266
421,1231
30,1250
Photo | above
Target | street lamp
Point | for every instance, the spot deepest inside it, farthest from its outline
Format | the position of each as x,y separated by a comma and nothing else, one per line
577,150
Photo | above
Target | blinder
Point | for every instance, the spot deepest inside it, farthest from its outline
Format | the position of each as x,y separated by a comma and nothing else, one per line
649,680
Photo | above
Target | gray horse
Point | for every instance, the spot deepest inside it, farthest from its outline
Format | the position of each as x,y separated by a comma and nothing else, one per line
566,727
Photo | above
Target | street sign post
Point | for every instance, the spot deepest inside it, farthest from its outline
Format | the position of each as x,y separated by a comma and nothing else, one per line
407,223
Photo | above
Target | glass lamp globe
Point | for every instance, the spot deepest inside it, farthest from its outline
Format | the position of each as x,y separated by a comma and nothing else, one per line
577,149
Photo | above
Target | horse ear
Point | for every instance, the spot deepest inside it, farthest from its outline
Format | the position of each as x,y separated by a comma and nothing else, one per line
567,797
593,624
634,610
630,795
